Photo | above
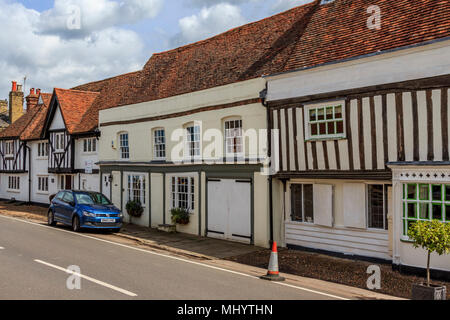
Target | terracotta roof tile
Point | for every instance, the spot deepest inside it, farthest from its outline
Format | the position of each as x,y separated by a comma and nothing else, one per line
74,104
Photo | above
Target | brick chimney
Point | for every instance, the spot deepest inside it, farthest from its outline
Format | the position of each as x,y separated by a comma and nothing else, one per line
15,102
32,99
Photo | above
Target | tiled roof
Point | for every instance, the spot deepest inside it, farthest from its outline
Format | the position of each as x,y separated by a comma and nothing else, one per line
338,30
304,36
33,131
243,53
111,91
74,104
18,127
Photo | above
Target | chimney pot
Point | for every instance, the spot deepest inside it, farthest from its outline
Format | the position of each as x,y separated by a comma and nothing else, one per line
32,91
38,91
14,86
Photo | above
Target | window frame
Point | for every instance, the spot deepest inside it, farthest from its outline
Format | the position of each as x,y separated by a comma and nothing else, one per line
444,202
42,181
157,144
90,145
385,206
302,184
13,184
123,152
190,194
9,149
130,188
241,137
189,143
43,150
59,142
324,105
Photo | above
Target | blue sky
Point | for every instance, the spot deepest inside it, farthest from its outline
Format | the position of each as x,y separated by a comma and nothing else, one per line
108,37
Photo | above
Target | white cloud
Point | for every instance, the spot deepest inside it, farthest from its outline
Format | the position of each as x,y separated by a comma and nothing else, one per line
208,3
208,22
51,61
94,15
283,5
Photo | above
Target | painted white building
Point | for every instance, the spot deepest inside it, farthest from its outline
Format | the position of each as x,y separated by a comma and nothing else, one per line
363,148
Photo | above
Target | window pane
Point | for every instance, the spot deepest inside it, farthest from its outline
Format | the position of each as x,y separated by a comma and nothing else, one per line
437,212
321,114
296,203
314,129
447,210
331,129
340,127
376,206
308,202
412,191
424,211
338,112
447,192
424,192
437,193
330,113
322,129
412,210
312,115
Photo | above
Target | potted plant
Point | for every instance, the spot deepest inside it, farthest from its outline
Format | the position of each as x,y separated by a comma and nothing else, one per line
134,209
180,216
433,236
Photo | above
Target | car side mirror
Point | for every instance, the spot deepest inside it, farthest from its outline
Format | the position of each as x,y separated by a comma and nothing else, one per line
72,204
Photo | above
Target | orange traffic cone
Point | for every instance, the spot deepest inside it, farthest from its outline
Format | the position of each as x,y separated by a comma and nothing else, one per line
273,274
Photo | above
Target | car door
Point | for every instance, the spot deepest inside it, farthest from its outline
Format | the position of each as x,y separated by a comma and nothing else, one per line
67,206
58,206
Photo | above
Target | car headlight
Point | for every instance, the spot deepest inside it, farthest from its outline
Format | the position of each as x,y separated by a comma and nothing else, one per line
89,214
121,215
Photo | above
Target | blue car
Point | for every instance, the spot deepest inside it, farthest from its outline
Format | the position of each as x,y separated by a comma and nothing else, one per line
82,209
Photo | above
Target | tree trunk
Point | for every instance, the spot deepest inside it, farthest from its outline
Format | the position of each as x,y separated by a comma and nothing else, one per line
428,269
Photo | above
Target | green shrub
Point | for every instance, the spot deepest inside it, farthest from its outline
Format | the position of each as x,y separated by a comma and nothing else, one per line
134,209
433,236
180,216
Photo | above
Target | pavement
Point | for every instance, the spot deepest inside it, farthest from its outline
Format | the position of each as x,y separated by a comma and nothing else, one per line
140,264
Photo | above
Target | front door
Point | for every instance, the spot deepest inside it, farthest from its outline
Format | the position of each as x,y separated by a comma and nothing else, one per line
229,209
66,182
106,185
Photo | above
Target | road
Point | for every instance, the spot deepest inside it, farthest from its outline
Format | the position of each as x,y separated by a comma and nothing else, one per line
34,260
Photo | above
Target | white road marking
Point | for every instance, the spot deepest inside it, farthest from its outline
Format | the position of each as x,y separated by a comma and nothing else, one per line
104,284
176,258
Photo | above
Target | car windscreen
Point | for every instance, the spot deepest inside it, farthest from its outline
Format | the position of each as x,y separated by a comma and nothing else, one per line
92,198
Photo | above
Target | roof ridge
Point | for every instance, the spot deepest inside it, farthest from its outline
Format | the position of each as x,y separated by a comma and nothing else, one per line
106,79
200,42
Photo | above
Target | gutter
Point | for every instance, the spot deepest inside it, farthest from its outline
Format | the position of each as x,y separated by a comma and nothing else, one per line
29,173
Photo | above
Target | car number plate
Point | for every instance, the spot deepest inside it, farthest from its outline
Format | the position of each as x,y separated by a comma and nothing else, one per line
108,220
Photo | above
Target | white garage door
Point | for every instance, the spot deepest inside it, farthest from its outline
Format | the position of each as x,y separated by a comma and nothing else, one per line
229,209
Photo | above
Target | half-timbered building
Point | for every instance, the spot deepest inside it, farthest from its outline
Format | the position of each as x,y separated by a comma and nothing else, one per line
363,123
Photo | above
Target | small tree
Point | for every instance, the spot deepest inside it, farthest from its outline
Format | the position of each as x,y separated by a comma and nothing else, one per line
180,216
433,236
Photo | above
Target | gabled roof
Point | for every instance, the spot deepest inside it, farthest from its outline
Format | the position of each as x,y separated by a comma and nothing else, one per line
15,130
34,129
73,105
111,91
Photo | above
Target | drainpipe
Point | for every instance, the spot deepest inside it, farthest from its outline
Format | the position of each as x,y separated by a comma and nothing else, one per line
29,172
263,95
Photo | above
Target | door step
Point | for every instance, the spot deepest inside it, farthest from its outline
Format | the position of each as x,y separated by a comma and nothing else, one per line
169,228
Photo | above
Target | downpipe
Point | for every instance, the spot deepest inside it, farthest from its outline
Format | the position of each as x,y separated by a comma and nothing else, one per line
29,173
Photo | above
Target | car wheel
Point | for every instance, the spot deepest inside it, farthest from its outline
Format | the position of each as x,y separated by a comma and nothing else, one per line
115,230
51,219
76,224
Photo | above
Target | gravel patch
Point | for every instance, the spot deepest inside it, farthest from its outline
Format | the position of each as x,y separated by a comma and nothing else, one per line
338,270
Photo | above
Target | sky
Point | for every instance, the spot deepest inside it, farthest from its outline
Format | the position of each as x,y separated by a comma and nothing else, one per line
65,43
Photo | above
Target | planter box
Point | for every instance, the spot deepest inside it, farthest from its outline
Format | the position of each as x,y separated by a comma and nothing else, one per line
422,292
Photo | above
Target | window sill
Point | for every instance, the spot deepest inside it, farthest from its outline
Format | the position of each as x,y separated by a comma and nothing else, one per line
13,191
326,139
42,158
45,193
89,153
